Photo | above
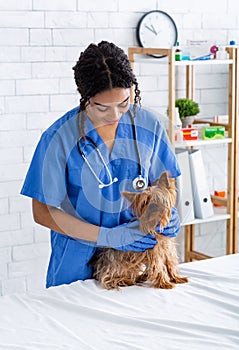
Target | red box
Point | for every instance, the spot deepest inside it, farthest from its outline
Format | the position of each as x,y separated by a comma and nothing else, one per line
190,134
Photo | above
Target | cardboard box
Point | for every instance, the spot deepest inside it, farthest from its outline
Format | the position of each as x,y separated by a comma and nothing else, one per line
190,133
213,132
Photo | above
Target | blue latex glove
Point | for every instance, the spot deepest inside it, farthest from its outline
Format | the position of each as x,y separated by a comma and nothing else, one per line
126,237
173,227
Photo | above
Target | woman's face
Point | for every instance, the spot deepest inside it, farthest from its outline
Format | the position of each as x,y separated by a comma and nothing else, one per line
107,107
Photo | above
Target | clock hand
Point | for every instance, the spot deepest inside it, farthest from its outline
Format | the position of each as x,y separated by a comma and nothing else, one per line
154,30
151,29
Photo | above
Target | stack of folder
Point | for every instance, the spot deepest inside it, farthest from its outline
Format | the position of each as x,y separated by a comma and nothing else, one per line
194,195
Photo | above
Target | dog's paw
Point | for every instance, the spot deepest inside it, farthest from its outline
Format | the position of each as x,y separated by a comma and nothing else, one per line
163,284
180,279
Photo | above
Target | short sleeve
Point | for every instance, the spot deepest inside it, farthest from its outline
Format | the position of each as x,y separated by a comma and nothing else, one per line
45,179
163,157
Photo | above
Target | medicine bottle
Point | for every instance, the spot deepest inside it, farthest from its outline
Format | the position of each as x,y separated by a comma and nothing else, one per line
178,53
177,120
178,126
232,43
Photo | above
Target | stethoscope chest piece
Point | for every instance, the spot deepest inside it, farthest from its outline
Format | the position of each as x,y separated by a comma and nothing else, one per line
139,183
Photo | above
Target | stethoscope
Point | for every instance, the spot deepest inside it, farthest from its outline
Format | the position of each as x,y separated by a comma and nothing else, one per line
139,183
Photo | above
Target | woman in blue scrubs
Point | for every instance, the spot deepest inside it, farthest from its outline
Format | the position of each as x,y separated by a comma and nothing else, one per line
89,156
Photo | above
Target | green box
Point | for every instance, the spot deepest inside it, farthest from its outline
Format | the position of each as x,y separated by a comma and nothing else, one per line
213,132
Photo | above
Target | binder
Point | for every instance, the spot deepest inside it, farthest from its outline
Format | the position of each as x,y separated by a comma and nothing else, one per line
203,207
185,201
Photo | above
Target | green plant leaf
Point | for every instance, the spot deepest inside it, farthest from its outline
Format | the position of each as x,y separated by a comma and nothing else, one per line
186,107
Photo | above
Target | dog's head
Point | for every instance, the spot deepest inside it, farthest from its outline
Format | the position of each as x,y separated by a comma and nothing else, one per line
153,205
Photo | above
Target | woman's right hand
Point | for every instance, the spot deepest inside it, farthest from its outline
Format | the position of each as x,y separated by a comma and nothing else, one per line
126,237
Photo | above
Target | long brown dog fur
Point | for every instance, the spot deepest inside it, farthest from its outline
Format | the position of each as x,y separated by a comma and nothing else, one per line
158,266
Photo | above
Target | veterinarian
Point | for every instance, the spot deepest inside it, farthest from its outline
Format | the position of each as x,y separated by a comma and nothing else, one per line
89,156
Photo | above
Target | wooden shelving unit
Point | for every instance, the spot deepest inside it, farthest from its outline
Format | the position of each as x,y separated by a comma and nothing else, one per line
231,215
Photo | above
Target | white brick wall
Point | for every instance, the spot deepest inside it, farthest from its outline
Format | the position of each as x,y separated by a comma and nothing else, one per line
40,40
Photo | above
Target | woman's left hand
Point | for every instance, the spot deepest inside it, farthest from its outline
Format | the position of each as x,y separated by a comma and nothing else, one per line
173,228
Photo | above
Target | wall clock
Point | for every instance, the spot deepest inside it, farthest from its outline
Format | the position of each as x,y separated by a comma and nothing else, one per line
158,30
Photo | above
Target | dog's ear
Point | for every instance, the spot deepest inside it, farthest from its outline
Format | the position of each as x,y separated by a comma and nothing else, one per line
162,181
130,196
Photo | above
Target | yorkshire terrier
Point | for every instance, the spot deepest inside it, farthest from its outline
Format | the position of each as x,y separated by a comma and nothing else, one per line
157,266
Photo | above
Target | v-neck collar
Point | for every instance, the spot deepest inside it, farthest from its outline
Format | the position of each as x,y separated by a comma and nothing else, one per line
121,131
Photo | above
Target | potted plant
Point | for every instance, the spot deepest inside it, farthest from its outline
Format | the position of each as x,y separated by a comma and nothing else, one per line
187,110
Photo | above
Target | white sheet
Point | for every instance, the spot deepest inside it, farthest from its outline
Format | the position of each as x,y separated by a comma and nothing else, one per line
203,314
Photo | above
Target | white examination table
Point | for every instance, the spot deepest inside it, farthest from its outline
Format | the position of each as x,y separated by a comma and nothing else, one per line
202,314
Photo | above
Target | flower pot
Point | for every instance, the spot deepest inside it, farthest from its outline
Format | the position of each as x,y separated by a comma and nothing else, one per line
188,121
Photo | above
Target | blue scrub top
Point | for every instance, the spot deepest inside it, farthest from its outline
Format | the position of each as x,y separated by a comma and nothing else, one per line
58,176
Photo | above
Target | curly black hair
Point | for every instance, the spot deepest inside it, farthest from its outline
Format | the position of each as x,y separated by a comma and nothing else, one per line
102,67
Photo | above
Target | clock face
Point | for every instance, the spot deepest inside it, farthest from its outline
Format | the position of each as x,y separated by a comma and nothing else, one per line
157,29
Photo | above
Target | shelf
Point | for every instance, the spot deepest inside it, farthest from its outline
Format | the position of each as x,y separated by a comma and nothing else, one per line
215,217
229,212
193,143
164,61
202,63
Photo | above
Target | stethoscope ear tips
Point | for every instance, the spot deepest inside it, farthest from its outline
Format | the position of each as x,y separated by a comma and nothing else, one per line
115,179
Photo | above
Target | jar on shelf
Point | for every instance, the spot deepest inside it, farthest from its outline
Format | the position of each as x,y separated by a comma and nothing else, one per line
178,52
